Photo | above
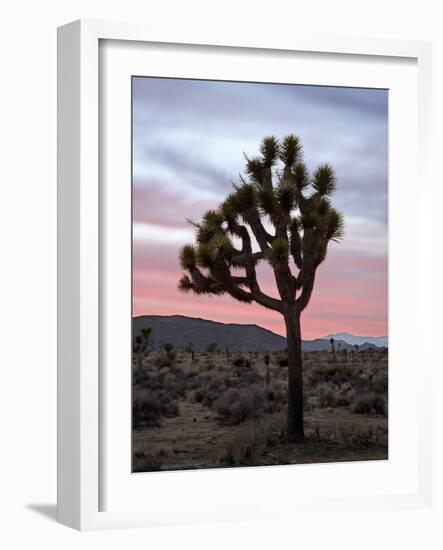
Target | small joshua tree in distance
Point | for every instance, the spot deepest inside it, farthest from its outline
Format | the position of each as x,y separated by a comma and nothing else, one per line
289,214
140,344
190,349
168,347
212,348
268,374
332,342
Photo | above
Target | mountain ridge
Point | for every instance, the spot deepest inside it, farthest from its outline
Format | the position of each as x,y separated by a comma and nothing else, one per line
352,339
182,331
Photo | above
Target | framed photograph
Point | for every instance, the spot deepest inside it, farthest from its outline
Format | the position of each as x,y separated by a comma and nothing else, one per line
238,338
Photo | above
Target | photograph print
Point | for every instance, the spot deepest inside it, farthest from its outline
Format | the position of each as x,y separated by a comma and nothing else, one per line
260,274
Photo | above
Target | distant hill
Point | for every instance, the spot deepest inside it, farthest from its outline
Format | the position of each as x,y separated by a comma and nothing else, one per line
379,341
182,331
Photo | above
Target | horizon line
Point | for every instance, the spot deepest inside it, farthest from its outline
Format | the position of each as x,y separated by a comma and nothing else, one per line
252,325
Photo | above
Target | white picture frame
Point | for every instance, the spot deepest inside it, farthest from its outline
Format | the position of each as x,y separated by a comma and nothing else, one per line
81,471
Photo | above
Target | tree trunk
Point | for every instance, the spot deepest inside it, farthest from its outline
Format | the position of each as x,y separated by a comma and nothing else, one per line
295,431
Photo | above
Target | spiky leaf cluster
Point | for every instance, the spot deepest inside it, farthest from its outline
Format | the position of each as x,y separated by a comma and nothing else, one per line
324,180
187,257
283,209
245,198
141,340
270,150
301,176
290,150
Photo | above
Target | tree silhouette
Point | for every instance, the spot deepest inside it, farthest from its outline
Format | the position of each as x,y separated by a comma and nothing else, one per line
269,217
267,374
332,342
140,344
212,348
168,347
190,349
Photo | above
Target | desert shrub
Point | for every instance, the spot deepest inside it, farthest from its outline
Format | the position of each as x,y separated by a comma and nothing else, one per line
170,381
330,396
198,396
369,404
140,375
249,444
273,428
146,410
165,360
212,348
236,406
270,395
308,404
148,407
168,347
190,373
336,374
327,397
249,377
349,436
245,448
209,396
167,402
275,398
239,361
171,409
210,391
379,383
215,384
145,463
175,382
282,360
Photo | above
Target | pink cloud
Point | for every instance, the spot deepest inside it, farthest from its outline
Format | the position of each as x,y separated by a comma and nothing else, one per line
156,206
350,295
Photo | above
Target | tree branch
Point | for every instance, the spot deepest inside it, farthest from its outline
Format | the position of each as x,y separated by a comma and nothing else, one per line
242,260
263,238
265,300
295,246
308,285
204,284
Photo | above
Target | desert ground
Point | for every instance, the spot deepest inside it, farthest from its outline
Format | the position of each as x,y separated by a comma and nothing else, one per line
218,409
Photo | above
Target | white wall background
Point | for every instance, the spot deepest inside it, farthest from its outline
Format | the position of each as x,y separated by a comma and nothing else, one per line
28,266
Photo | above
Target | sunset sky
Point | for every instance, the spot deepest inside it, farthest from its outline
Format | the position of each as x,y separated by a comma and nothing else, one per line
188,143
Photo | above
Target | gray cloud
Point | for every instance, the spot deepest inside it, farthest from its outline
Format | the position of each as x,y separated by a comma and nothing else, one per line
189,136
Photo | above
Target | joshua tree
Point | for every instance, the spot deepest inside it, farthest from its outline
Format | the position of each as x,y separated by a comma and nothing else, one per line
212,348
287,212
190,349
268,374
332,341
140,345
168,347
